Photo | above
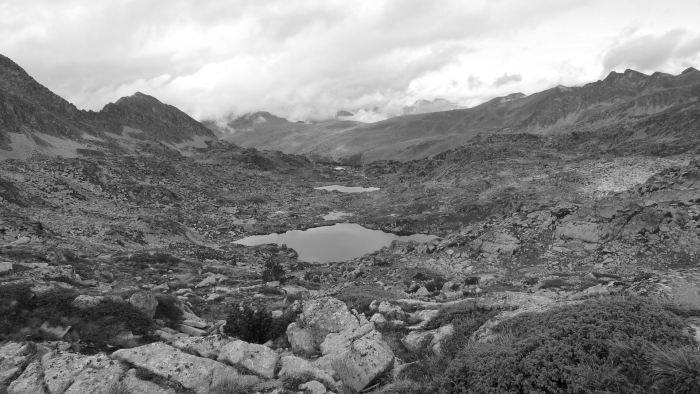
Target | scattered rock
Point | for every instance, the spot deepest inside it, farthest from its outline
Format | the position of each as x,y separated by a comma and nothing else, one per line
145,301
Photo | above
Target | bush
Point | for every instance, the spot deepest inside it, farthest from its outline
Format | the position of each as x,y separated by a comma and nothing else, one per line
256,325
168,309
568,350
272,271
22,314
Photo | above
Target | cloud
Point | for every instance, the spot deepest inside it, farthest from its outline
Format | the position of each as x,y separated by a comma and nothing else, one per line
652,52
506,79
303,60
474,82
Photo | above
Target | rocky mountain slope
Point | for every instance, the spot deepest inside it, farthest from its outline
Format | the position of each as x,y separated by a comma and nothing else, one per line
35,120
118,270
620,101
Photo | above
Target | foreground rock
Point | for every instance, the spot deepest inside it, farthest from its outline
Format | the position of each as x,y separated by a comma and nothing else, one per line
191,372
258,359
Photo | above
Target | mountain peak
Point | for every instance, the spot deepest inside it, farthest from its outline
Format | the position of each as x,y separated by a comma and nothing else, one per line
690,70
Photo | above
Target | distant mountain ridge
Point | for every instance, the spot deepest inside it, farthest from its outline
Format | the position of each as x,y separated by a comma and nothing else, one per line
621,99
427,106
35,120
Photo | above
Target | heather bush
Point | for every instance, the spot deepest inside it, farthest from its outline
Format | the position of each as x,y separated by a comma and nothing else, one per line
256,325
569,350
272,271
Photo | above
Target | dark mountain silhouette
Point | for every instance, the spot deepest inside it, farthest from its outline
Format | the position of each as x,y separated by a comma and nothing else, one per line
34,119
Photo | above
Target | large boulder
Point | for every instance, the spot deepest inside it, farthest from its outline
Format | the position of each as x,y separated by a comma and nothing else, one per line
292,366
145,301
13,358
301,339
193,373
327,315
364,361
30,381
259,359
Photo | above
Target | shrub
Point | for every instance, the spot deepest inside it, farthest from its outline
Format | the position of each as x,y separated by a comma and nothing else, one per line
20,312
256,325
562,350
168,309
359,297
272,271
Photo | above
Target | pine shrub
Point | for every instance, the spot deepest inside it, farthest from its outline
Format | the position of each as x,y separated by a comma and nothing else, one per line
256,325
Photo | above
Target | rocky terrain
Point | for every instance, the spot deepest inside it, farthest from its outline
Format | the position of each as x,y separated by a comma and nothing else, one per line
119,271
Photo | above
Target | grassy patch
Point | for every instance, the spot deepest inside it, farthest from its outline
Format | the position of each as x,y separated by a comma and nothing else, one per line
573,349
21,315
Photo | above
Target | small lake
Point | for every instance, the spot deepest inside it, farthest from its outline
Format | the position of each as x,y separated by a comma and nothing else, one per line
340,242
347,189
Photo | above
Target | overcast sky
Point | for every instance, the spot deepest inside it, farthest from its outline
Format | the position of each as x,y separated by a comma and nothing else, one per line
308,59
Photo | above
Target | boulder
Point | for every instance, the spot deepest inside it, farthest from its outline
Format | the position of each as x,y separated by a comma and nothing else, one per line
5,267
193,373
208,281
85,301
390,311
378,319
338,343
30,381
13,358
145,301
208,347
134,385
364,361
195,332
313,387
259,359
301,339
327,315
295,366
417,340
583,231
98,374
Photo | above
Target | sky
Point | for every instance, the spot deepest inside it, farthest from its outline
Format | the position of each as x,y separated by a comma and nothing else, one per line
306,60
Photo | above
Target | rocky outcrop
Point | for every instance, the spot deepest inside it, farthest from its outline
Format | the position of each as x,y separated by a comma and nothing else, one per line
191,372
257,359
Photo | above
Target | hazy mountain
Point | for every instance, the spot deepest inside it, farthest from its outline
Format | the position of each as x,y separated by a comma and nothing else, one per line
35,120
427,106
617,102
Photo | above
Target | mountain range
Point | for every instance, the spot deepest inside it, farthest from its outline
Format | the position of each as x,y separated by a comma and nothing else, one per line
620,101
35,120
623,110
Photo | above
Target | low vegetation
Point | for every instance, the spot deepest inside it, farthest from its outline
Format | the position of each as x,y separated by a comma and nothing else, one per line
606,345
22,314
251,324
